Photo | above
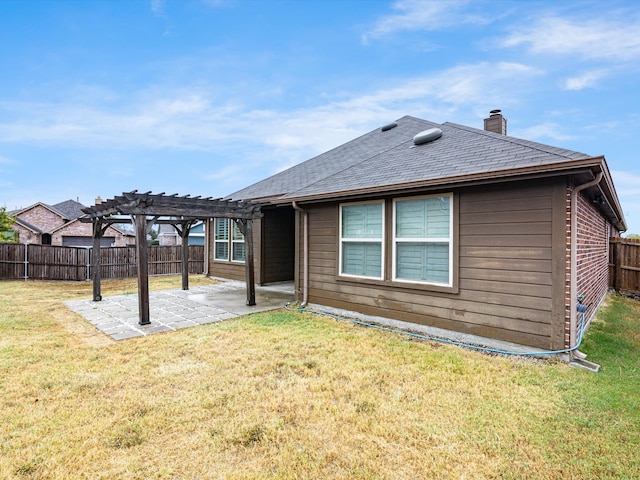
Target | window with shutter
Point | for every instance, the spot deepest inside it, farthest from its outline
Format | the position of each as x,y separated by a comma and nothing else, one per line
228,247
361,240
422,240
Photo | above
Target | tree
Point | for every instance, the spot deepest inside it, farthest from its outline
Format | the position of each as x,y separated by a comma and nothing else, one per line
6,227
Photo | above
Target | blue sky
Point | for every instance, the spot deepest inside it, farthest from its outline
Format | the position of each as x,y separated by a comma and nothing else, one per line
204,97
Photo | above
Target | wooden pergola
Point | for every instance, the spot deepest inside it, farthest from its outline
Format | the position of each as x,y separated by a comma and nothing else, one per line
147,209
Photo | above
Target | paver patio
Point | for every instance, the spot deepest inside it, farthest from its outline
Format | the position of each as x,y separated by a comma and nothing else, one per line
117,316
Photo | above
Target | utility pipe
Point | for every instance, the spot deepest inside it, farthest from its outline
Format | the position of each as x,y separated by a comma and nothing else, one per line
305,254
574,254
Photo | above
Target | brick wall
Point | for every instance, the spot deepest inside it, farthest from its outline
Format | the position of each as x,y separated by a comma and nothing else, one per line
567,280
79,229
41,217
25,235
592,257
592,254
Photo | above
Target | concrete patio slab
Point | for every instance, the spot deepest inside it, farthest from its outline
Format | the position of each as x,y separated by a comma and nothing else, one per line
170,310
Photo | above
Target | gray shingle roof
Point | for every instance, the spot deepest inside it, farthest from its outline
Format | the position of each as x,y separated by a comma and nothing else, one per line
69,209
378,159
28,225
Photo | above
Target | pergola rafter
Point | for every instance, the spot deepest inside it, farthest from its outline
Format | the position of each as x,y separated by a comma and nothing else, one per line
181,212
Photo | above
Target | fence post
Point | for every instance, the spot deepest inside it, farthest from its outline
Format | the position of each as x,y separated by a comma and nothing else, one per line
88,263
618,268
26,261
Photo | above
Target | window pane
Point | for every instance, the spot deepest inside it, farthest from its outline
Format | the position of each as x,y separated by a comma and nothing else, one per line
424,262
222,229
238,252
362,258
222,250
423,218
362,221
237,235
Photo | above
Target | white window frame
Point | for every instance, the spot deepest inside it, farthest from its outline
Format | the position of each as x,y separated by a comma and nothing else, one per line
230,240
233,229
396,240
381,241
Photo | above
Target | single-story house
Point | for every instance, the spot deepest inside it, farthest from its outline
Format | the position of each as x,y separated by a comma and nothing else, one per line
60,224
442,225
168,235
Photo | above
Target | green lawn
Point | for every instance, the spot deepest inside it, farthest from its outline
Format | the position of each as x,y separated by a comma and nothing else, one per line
286,395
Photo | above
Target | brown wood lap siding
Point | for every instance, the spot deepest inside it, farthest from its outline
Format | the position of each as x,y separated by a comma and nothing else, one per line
278,245
236,270
511,268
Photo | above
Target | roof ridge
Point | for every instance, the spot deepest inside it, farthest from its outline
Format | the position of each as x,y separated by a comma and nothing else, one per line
314,169
518,141
365,159
55,210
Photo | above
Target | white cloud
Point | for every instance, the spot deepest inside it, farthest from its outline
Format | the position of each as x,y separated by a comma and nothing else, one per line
627,183
628,189
598,38
586,80
424,15
544,131
225,173
196,119
157,7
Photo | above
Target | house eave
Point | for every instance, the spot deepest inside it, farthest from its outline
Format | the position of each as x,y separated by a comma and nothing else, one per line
583,169
497,176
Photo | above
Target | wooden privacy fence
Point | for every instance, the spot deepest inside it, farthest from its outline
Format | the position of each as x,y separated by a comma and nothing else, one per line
624,265
48,262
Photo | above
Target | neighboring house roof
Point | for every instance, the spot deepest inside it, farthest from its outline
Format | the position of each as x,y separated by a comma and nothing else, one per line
69,209
28,226
197,229
387,159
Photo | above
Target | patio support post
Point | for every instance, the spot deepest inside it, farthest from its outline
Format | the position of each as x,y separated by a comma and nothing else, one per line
142,255
96,260
249,270
183,230
246,228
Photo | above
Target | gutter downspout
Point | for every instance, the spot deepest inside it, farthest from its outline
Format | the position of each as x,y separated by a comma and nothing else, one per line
574,255
207,228
305,261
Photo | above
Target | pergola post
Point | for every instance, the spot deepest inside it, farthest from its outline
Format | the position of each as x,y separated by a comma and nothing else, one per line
142,256
96,260
246,228
183,230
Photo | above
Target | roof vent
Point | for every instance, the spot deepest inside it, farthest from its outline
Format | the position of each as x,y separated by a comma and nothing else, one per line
427,136
389,127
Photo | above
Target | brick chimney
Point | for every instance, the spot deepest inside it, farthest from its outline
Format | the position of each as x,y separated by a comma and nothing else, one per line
98,201
496,123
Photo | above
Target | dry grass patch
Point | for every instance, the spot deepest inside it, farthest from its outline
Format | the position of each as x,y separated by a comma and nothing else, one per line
284,395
